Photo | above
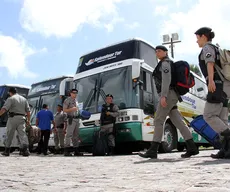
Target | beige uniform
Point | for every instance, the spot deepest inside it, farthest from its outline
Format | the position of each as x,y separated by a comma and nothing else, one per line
60,119
72,130
18,105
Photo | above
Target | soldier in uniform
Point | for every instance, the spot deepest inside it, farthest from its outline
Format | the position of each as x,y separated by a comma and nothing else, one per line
18,107
215,106
109,113
60,119
167,106
70,107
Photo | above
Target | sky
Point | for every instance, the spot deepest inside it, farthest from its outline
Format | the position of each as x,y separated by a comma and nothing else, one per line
42,39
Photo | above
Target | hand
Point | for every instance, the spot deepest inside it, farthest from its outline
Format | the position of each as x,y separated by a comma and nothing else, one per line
55,130
211,86
64,130
74,109
107,113
163,102
28,123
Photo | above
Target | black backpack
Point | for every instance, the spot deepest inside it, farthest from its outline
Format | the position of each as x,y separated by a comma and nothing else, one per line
100,143
182,79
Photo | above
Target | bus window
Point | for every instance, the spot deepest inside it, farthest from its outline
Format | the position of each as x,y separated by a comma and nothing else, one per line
148,54
200,89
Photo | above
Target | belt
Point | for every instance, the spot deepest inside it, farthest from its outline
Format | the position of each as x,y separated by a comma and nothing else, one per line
74,117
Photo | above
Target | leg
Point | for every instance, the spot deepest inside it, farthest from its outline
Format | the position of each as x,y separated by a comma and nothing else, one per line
68,137
75,139
61,137
177,120
40,143
10,130
108,129
224,112
212,113
23,137
159,120
46,141
56,141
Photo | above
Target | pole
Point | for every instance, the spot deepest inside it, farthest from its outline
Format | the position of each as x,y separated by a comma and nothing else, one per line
172,54
171,44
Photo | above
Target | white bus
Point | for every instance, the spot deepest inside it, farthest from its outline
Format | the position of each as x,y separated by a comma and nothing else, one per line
125,70
4,89
51,92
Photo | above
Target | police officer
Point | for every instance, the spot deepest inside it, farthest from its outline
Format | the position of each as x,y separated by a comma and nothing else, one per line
18,107
60,119
70,107
216,98
109,113
167,106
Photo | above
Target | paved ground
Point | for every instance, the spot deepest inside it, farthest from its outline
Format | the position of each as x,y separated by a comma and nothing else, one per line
118,173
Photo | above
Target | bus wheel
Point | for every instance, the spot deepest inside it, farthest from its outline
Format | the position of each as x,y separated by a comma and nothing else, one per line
170,139
180,147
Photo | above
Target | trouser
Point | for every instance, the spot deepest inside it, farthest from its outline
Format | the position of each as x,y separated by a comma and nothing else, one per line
13,124
72,133
215,115
108,129
59,137
175,116
44,141
224,112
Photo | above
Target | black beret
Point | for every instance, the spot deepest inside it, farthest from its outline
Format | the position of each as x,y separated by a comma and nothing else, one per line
161,47
109,95
59,105
203,30
74,90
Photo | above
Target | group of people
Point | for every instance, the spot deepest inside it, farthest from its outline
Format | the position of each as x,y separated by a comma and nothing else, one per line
66,120
215,111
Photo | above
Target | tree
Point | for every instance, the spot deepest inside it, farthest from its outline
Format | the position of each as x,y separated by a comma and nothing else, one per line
194,68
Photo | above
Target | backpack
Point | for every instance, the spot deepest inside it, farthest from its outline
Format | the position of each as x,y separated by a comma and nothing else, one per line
182,79
100,143
224,62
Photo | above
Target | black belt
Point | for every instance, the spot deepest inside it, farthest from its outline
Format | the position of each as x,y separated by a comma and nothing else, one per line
74,117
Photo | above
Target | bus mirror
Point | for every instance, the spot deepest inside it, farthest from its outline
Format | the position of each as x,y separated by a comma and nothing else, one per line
136,68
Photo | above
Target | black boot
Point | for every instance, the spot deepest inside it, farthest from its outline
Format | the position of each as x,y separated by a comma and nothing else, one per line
67,151
191,149
151,152
6,152
76,152
111,150
219,155
25,152
20,151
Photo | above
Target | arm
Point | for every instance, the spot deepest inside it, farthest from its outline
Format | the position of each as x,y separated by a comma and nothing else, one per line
37,121
6,106
66,105
166,78
27,109
115,113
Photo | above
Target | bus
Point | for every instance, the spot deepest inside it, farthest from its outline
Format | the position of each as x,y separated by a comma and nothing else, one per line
4,89
125,70
51,92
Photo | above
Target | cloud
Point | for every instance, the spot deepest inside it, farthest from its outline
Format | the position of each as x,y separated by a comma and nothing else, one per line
63,18
161,10
13,56
133,25
214,14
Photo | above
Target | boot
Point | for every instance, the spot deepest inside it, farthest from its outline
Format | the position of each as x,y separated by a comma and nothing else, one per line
67,152
151,152
191,149
61,150
25,152
76,152
20,151
219,155
111,150
6,152
57,151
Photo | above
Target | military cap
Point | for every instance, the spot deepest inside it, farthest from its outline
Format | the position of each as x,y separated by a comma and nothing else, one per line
59,105
109,95
161,47
203,30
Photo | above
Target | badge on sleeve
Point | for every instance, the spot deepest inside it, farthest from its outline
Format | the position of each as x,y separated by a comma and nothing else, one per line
166,70
208,55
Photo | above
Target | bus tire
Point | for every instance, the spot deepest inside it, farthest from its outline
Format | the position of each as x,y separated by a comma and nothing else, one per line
170,141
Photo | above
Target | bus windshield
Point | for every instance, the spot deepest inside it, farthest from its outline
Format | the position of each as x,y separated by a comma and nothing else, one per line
93,89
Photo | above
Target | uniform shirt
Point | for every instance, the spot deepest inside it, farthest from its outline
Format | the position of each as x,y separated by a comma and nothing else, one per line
166,77
44,119
69,103
17,104
60,118
208,53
